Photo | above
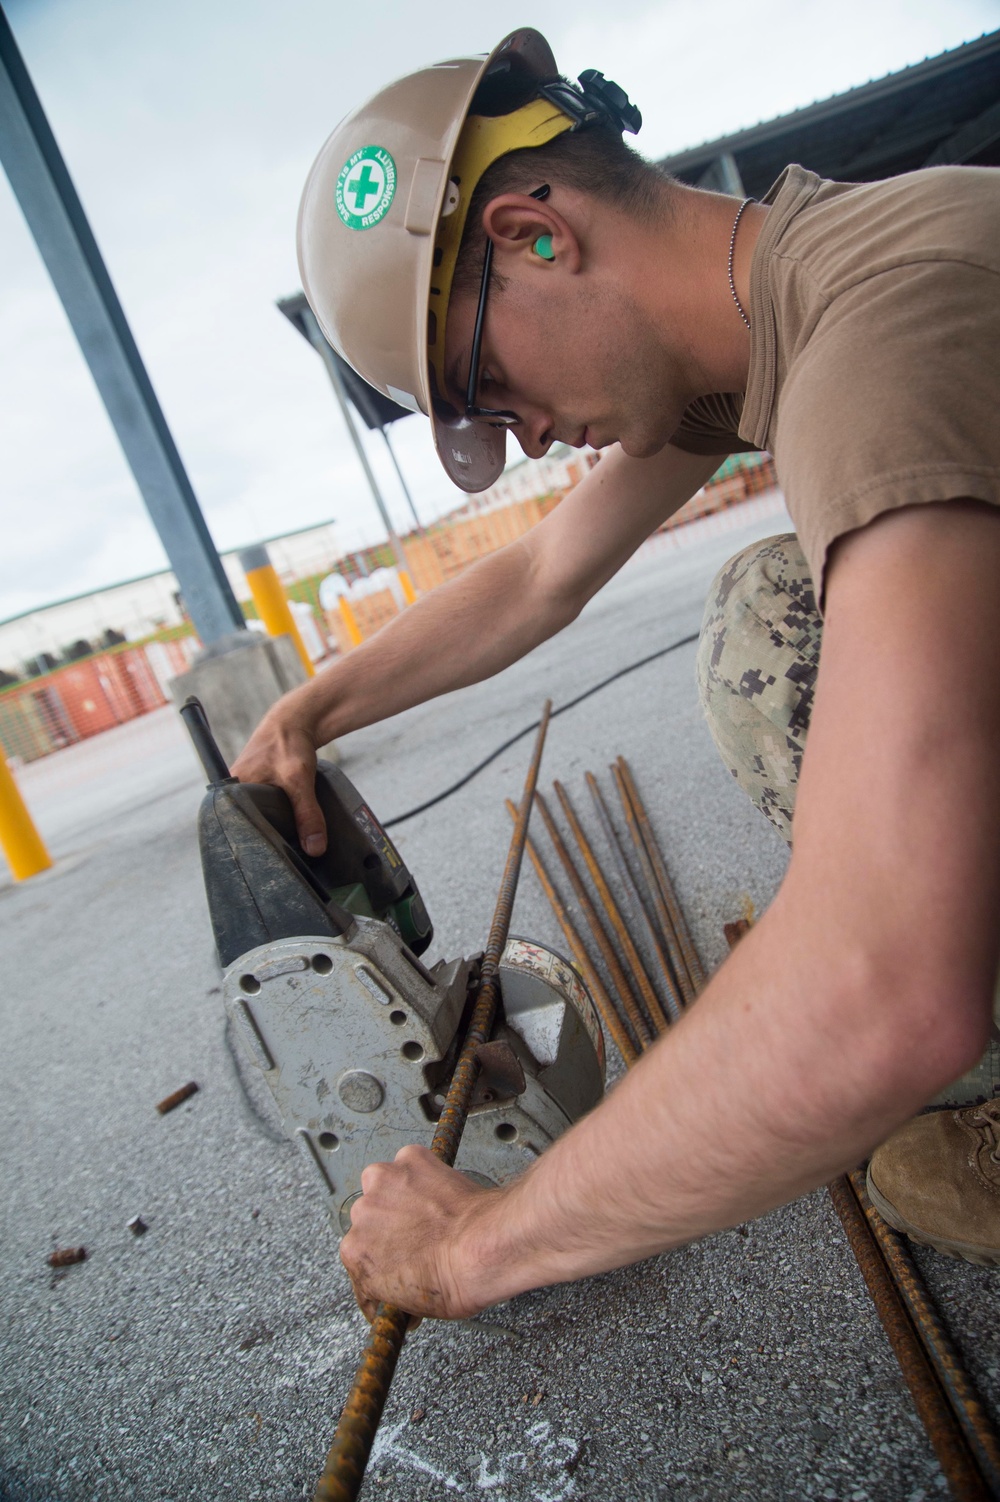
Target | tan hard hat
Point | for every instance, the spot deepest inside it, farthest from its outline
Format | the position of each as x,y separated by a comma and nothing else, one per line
381,222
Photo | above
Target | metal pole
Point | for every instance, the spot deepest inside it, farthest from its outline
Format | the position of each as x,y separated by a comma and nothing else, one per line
49,202
316,339
399,475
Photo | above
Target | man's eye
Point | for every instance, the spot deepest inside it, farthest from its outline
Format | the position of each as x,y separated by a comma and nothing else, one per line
486,379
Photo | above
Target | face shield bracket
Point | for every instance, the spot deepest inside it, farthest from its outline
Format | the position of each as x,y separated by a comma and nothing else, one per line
592,100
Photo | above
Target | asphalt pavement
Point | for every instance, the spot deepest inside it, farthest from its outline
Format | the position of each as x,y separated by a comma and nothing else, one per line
209,1357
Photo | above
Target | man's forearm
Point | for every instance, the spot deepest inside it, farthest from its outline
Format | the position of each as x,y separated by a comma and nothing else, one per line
782,1075
464,631
766,1089
460,633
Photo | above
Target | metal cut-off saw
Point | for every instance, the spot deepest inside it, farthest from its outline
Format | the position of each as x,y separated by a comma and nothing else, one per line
355,1036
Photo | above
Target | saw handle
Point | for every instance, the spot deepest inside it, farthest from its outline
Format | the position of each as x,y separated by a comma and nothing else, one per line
194,716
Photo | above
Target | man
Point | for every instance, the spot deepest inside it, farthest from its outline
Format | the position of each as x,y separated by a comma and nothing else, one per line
479,242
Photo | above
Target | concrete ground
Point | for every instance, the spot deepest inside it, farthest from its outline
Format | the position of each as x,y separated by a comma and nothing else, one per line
209,1358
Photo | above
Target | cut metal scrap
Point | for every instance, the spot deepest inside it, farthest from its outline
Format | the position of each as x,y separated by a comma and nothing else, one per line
641,1029
605,1006
67,1255
695,969
636,907
171,1102
619,925
345,1466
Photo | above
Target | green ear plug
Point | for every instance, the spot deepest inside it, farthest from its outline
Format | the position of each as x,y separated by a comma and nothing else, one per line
543,248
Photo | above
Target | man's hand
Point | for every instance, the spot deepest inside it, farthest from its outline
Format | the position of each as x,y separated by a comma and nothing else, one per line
282,751
410,1236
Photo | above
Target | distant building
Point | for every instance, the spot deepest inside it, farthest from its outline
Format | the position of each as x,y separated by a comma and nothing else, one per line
138,607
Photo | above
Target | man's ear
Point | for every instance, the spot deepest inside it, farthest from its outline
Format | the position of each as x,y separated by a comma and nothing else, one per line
515,222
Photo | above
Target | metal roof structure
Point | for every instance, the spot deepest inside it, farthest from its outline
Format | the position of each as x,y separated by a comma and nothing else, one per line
945,110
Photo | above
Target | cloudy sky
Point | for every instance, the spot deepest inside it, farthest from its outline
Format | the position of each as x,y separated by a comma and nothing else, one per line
189,128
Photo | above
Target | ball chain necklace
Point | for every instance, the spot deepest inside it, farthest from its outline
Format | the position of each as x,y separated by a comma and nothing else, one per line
732,247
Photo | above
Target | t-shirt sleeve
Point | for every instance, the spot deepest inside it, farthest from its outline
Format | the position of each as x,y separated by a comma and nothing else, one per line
710,425
893,401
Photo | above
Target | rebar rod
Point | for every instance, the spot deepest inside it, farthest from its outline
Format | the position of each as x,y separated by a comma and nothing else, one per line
637,910
348,1456
674,952
641,1028
691,958
929,1397
605,1006
633,958
978,1427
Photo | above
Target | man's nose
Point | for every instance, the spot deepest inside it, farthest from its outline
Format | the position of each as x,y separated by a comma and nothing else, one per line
534,433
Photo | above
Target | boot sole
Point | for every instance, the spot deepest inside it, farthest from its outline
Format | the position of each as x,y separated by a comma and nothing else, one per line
981,1256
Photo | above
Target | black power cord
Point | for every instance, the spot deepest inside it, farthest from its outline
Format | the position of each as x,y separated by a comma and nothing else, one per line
632,667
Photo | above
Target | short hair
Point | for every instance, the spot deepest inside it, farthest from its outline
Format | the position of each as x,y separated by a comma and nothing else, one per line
595,160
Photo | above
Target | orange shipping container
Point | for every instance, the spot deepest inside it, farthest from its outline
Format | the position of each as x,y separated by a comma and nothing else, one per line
87,706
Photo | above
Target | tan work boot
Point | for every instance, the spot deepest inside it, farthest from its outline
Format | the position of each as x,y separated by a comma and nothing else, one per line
938,1180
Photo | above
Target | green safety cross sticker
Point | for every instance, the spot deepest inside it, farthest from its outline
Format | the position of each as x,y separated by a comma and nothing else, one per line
366,187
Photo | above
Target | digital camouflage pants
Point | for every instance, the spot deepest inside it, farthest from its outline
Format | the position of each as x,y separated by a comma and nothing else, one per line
757,663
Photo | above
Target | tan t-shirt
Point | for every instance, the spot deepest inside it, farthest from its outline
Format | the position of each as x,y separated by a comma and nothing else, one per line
875,349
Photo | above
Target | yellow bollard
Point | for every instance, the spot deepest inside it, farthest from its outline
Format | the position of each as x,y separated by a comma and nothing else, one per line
408,592
272,602
350,622
22,844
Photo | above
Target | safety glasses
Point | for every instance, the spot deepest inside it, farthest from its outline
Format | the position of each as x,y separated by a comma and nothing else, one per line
488,414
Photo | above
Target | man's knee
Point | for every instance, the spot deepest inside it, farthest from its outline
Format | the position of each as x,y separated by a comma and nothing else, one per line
756,667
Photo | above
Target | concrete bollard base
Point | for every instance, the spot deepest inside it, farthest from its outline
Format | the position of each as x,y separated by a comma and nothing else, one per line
237,679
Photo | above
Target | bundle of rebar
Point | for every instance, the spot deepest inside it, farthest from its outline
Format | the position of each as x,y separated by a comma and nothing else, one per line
644,995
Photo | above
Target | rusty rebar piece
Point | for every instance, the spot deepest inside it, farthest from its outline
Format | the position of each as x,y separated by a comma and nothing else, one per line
633,959
605,1006
640,1027
669,1004
692,960
929,1398
959,1428
968,1406
676,955
177,1098
348,1456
